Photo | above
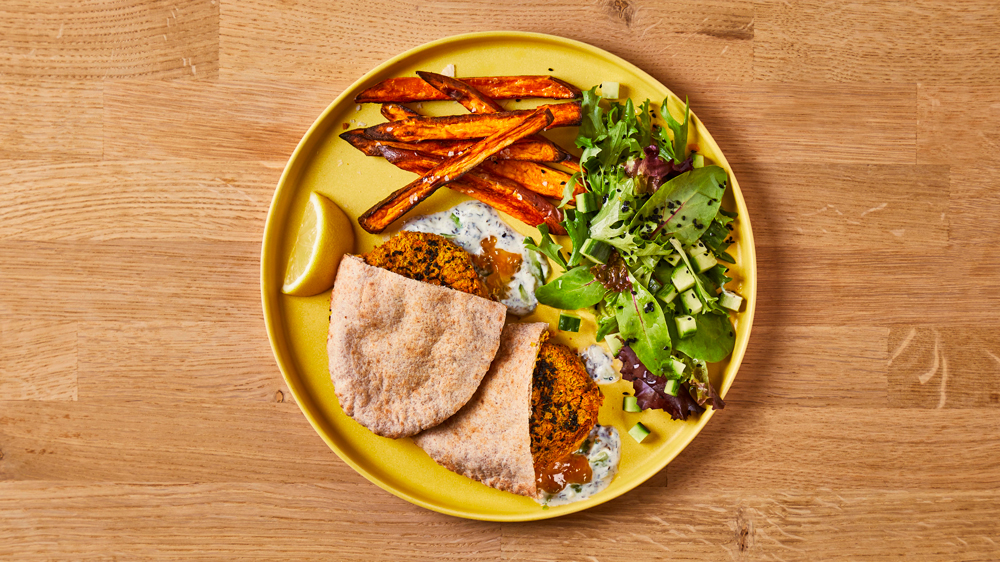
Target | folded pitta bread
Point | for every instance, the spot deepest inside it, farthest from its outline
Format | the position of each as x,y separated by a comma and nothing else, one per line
489,439
405,355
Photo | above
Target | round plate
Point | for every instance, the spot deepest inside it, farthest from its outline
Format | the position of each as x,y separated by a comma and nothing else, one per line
297,327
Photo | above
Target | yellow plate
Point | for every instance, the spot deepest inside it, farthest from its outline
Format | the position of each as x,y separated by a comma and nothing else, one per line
297,326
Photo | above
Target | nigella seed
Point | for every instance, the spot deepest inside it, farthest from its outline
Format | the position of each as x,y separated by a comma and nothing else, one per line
605,199
550,70
562,183
683,217
542,171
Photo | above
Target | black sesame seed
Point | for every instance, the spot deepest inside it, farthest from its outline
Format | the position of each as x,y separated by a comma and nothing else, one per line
649,306
562,183
550,70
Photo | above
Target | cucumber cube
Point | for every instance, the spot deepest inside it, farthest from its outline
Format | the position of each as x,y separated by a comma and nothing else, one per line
697,160
569,323
702,257
654,285
610,90
685,326
638,432
691,301
730,300
667,294
596,250
682,278
673,259
629,404
615,343
672,386
676,365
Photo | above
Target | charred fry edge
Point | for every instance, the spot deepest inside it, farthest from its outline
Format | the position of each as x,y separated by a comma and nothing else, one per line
476,125
385,212
407,89
500,193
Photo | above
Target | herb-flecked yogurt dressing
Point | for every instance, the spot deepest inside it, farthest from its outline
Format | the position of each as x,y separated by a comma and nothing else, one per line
468,224
603,448
599,365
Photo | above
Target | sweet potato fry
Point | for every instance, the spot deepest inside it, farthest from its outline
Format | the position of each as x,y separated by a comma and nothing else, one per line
536,177
385,212
470,98
476,102
500,193
524,149
395,112
402,90
471,126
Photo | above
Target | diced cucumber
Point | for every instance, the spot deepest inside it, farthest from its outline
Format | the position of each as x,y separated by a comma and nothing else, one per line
677,366
685,326
691,301
672,386
703,259
569,323
610,90
615,343
654,285
682,278
630,404
697,160
730,300
596,250
673,259
667,294
638,432
586,202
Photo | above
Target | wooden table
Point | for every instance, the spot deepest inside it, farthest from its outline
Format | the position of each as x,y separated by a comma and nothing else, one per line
142,415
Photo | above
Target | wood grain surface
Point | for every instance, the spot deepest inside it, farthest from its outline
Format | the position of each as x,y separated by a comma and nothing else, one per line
142,416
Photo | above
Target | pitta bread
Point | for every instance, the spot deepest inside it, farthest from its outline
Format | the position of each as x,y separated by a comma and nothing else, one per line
489,439
406,355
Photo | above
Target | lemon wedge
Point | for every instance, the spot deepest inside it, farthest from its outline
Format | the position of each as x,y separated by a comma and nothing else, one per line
325,235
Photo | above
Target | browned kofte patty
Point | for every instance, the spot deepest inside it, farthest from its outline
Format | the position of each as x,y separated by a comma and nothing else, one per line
429,258
564,404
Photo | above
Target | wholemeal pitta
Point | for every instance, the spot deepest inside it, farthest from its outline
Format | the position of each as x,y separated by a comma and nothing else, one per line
489,439
406,355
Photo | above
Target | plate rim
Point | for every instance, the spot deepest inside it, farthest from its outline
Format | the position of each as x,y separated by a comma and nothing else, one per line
270,319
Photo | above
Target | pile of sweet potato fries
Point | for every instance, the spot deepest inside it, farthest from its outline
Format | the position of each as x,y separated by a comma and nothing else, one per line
490,154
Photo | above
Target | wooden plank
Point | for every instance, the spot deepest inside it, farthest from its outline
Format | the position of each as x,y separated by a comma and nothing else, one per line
812,366
46,120
677,43
808,123
38,360
974,204
221,121
99,39
142,280
96,441
878,286
843,448
948,367
713,523
191,200
178,361
211,521
917,41
959,126
847,206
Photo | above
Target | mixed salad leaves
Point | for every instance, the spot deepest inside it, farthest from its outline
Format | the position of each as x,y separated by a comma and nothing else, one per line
649,239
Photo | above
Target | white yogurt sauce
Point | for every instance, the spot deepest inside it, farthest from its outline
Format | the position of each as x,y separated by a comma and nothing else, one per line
603,448
599,365
467,225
